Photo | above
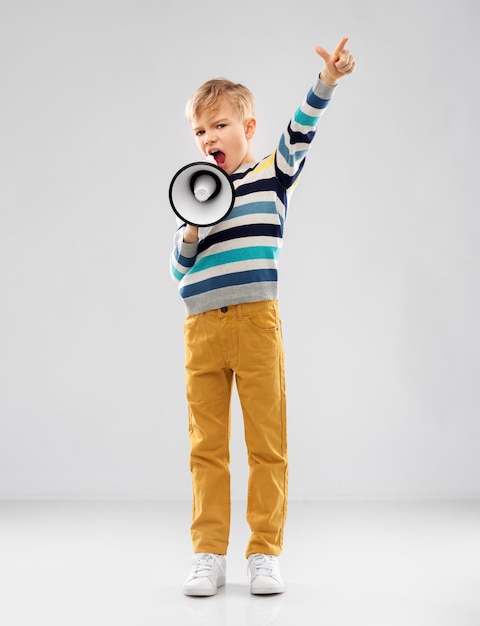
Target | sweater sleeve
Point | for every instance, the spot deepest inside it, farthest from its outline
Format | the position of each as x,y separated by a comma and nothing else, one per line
297,139
183,256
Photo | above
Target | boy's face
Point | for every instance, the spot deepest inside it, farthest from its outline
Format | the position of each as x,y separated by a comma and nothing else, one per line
221,132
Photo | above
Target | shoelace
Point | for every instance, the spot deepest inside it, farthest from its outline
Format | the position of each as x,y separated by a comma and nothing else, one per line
203,564
263,564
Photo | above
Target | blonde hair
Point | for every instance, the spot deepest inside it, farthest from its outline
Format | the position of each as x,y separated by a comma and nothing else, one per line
220,88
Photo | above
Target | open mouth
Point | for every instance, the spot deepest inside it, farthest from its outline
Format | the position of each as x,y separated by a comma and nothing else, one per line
219,157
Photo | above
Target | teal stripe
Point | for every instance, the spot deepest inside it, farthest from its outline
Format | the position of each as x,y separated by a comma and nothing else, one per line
267,208
306,120
176,274
235,256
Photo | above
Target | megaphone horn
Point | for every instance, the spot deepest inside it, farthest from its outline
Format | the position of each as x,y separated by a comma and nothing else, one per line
201,194
205,186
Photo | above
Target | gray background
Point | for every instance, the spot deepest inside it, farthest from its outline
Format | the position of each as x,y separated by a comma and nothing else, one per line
380,269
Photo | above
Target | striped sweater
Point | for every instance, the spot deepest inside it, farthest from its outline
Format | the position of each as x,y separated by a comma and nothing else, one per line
236,260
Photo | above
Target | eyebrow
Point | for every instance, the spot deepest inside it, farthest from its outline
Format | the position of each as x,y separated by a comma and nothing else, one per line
214,122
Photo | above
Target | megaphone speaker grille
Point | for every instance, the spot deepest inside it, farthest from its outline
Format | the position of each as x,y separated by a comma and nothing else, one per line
201,194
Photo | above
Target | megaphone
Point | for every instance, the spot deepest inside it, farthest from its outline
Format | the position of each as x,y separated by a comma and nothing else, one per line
201,194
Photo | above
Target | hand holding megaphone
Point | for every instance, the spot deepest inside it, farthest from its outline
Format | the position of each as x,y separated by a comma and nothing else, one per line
201,193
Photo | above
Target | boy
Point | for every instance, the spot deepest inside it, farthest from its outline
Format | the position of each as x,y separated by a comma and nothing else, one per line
227,276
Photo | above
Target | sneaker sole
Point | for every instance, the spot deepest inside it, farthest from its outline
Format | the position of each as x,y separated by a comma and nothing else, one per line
199,591
266,591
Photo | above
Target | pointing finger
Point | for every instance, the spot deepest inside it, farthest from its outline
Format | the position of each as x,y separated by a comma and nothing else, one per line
341,45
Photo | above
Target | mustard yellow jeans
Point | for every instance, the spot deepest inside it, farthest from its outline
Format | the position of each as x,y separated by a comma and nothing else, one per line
242,343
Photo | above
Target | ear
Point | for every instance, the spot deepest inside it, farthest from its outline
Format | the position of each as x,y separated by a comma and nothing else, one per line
250,127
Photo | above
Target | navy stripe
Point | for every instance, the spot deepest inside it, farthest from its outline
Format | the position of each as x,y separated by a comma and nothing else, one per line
248,230
298,137
265,184
286,180
229,280
316,102
186,261
239,175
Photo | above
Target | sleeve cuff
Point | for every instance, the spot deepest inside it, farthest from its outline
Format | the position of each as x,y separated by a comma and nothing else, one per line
322,90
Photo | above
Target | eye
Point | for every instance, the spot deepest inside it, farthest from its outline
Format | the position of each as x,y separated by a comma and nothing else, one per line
199,133
221,125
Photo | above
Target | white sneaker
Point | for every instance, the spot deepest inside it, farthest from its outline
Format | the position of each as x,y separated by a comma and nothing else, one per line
265,574
207,574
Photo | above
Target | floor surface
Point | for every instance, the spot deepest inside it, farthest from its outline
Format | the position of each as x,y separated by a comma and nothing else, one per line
344,563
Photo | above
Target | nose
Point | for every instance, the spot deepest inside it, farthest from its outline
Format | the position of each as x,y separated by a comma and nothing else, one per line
209,137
